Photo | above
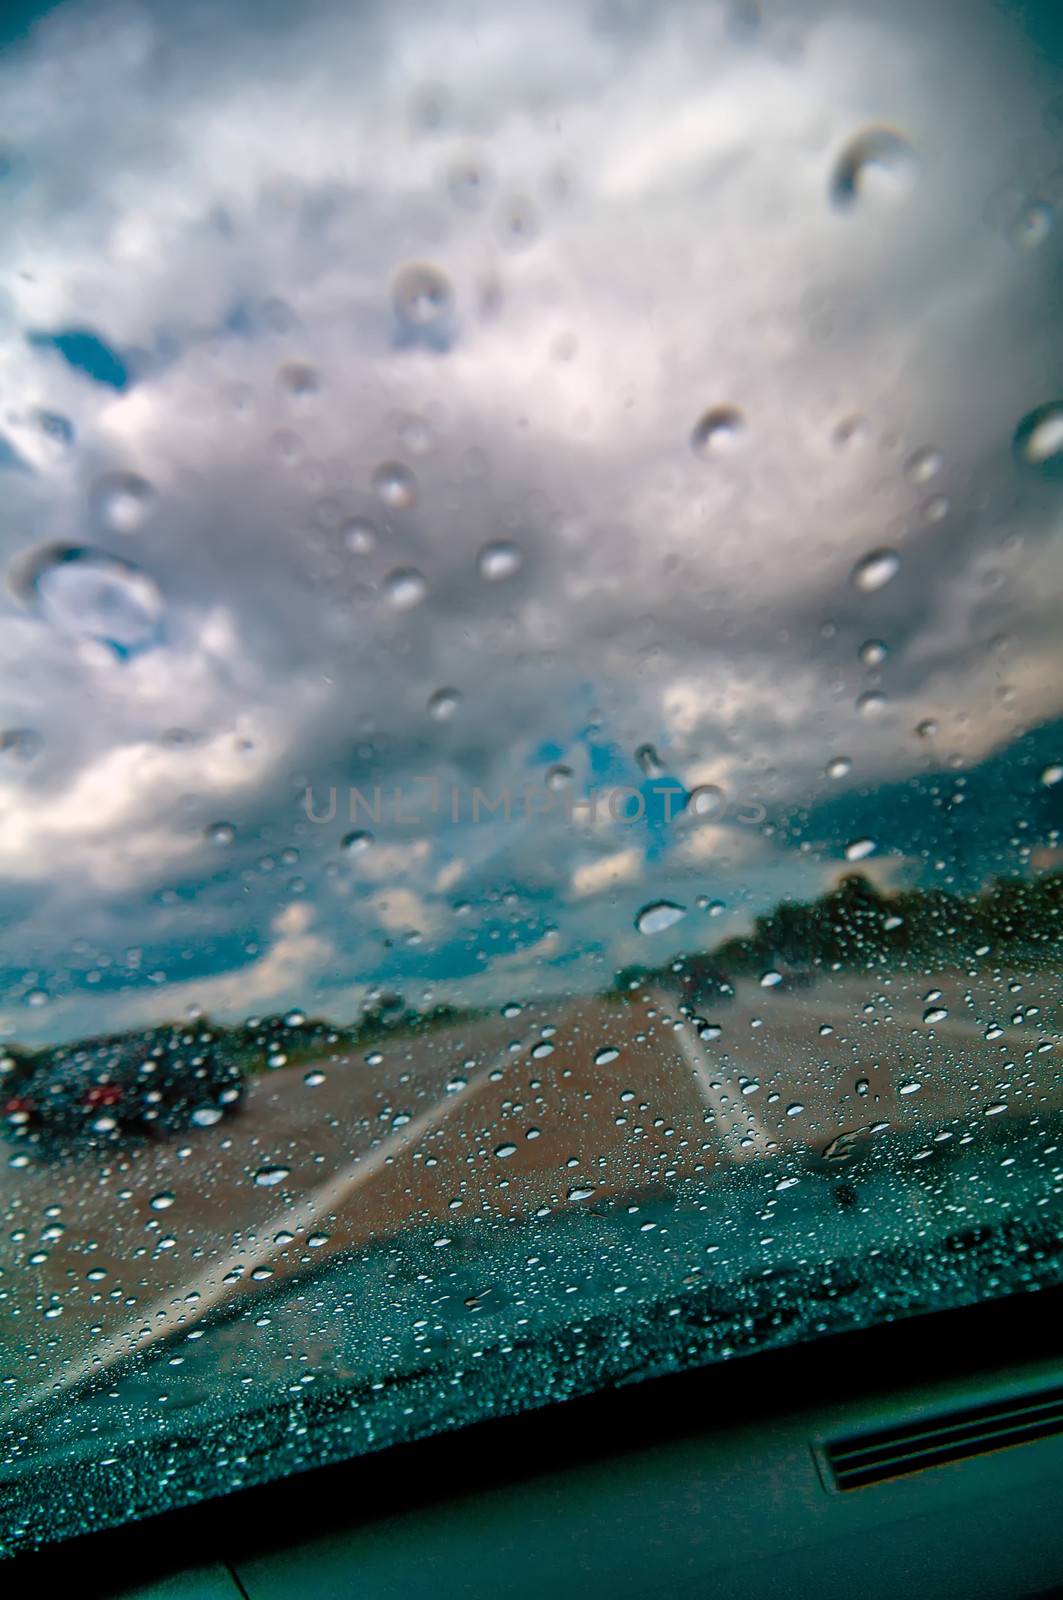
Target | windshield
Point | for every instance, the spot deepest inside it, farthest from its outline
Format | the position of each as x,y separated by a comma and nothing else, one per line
531,743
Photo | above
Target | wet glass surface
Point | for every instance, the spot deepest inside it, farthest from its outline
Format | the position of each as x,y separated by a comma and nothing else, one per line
531,746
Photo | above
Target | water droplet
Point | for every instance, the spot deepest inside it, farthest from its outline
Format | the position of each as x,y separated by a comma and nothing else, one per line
90,595
649,761
499,559
355,843
875,570
863,1087
849,431
124,501
582,1192
927,729
935,1014
1051,776
162,1201
924,465
299,379
1038,439
607,1054
518,223
443,705
57,428
873,653
720,429
314,1079
911,1087
859,849
1033,225
396,485
220,833
706,801
269,1177
405,588
658,916
206,1116
794,1109
871,704
468,183
20,744
558,777
359,536
840,767
504,1151
770,979
874,153
421,295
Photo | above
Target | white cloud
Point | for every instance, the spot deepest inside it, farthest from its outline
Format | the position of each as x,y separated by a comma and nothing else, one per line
222,197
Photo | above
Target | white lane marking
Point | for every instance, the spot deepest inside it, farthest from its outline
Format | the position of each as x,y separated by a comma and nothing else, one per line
171,1311
735,1120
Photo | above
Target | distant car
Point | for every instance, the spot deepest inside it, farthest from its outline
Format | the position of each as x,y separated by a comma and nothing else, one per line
100,1092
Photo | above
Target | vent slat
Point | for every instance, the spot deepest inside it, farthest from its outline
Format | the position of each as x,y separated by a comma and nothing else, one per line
871,1445
865,1459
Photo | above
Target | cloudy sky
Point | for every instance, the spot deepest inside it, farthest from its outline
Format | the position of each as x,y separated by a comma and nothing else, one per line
572,359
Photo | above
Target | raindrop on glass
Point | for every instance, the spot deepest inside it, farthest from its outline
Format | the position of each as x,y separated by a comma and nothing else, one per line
90,595
1038,439
269,1177
124,501
706,801
659,915
720,429
405,588
356,843
871,704
421,296
396,485
499,559
359,536
1033,225
649,761
20,744
443,705
924,465
875,570
874,159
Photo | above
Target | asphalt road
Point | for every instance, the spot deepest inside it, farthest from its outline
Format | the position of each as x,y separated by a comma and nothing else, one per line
503,1121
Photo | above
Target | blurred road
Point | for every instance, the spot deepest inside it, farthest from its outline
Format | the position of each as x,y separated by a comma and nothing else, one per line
500,1120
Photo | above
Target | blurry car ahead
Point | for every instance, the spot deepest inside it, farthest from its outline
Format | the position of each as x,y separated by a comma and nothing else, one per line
142,1085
